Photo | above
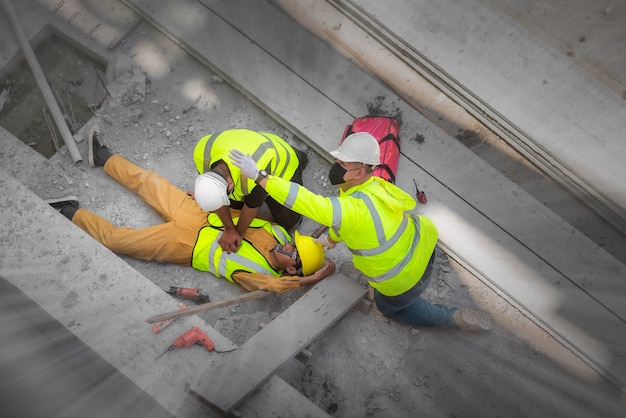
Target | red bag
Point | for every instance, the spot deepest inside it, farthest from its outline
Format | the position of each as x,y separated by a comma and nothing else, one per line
386,130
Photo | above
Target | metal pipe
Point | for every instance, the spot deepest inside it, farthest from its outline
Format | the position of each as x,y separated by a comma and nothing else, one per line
40,78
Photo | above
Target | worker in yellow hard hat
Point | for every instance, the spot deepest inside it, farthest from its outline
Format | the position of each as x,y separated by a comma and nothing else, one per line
269,257
311,252
393,248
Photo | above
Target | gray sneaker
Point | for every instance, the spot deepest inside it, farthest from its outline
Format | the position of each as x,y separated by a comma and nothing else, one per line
472,319
98,152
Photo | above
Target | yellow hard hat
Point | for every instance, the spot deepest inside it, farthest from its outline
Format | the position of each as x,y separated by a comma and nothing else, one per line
311,253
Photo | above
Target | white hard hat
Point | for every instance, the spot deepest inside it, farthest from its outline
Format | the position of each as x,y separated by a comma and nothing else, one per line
360,147
211,191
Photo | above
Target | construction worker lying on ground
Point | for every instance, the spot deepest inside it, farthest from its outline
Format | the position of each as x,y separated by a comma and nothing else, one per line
268,258
270,152
395,249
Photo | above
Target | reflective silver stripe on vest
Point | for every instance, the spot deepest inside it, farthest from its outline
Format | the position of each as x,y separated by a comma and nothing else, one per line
234,257
384,243
378,224
292,195
255,156
405,260
280,234
336,226
207,150
258,153
286,165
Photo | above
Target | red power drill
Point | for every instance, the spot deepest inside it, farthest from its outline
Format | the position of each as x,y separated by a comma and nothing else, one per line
189,293
194,336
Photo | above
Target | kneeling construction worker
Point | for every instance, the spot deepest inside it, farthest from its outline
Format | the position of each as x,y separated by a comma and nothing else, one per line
274,154
393,248
269,259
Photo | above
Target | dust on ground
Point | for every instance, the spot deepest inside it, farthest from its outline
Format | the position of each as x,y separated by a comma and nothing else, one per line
365,365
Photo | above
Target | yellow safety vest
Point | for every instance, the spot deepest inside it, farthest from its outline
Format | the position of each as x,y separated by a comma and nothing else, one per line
269,151
389,245
208,254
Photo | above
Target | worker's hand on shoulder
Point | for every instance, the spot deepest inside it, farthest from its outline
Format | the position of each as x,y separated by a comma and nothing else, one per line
230,240
246,163
325,241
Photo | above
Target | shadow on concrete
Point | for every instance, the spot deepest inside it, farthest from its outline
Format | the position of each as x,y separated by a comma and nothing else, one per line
46,371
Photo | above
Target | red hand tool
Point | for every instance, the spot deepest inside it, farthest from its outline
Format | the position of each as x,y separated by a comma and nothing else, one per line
421,196
191,293
194,336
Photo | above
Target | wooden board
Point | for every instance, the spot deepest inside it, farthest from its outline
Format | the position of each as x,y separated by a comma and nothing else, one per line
292,331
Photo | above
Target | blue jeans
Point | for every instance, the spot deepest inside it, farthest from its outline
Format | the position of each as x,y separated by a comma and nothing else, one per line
409,308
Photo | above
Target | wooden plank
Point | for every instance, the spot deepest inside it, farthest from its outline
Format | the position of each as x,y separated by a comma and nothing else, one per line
568,284
292,331
205,307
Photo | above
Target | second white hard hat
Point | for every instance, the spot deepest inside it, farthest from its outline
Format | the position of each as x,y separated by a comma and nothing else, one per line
359,147
211,191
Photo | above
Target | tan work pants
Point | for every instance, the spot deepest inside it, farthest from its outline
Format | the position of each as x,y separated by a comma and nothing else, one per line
169,242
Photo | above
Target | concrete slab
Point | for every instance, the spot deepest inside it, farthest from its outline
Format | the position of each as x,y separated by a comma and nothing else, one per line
74,18
61,180
284,401
86,16
66,377
492,55
590,34
506,237
292,331
97,296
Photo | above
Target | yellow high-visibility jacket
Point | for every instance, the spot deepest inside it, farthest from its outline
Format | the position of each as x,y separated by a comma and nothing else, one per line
269,151
208,254
389,245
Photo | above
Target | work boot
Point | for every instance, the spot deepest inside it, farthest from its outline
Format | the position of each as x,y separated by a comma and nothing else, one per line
472,319
66,205
98,152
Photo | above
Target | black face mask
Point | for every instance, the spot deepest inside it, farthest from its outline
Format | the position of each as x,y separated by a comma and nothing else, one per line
336,173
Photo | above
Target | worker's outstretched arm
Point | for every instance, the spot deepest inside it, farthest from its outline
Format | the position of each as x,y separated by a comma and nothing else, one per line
261,281
292,195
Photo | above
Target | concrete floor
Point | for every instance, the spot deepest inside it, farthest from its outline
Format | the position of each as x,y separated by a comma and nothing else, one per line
601,56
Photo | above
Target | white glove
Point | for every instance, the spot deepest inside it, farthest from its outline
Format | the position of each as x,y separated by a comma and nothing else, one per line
246,163
324,240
